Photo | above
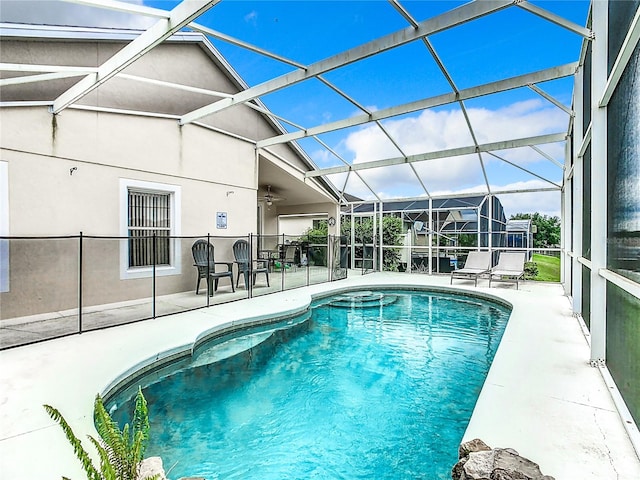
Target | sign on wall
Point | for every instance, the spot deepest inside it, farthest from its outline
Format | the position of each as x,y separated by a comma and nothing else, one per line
221,220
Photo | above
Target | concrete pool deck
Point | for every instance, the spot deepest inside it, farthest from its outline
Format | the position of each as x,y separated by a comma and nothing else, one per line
541,396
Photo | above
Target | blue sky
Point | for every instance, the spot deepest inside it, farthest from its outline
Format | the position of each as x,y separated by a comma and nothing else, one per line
509,43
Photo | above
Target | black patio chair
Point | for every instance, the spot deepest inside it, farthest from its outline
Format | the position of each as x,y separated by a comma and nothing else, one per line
203,259
243,259
291,256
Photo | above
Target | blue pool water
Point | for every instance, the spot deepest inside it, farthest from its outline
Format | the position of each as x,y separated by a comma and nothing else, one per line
361,389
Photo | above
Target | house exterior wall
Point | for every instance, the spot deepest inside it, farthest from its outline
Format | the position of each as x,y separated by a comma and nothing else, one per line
47,198
105,147
175,62
65,173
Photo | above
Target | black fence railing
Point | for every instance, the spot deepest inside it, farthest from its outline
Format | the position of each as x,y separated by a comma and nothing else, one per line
57,286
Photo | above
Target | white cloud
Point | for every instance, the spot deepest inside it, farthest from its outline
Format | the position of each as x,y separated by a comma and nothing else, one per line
545,203
446,129
57,12
321,156
251,17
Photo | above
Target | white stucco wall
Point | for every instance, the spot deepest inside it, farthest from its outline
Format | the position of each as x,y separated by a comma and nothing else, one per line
105,147
215,173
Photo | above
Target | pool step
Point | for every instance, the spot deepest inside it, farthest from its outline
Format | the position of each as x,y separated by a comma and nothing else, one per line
363,299
228,349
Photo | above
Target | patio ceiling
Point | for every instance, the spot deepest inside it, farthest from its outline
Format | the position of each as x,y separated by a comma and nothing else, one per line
429,88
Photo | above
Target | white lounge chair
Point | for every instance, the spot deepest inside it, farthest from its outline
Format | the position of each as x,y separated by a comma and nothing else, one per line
510,267
477,263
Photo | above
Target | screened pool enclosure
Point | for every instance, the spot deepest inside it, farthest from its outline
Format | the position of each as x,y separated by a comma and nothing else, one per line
423,116
436,236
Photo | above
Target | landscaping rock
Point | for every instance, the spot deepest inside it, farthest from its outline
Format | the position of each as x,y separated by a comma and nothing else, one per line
478,466
515,464
475,445
479,462
499,474
457,470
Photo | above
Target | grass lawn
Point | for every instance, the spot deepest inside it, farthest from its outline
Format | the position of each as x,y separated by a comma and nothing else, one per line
548,268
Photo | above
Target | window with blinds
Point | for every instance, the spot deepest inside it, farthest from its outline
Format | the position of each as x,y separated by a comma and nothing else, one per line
149,217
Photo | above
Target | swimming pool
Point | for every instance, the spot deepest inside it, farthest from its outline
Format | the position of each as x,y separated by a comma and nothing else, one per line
366,385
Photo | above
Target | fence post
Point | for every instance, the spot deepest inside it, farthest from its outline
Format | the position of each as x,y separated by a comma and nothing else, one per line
153,279
208,268
249,268
281,258
80,284
330,255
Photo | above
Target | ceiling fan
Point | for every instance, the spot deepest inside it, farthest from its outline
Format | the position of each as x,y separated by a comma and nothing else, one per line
270,197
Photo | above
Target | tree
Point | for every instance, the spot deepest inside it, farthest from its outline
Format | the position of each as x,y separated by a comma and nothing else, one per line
392,230
548,229
120,452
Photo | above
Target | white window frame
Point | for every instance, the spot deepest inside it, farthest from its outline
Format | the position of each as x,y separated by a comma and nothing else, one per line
4,226
175,192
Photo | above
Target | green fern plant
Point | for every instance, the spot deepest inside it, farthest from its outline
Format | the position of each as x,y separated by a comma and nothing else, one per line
120,452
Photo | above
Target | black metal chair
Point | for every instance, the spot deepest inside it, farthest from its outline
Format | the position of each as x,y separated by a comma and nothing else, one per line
291,256
243,259
204,261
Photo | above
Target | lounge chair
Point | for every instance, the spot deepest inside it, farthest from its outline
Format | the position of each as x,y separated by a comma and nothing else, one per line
204,261
510,267
478,263
243,259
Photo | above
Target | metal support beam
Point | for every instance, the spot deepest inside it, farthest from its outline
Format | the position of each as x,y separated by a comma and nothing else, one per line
547,156
353,239
548,97
175,86
565,225
269,113
488,147
598,212
436,101
30,103
380,235
490,239
42,77
585,142
28,67
161,30
478,234
577,204
452,18
525,170
240,43
558,20
430,236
